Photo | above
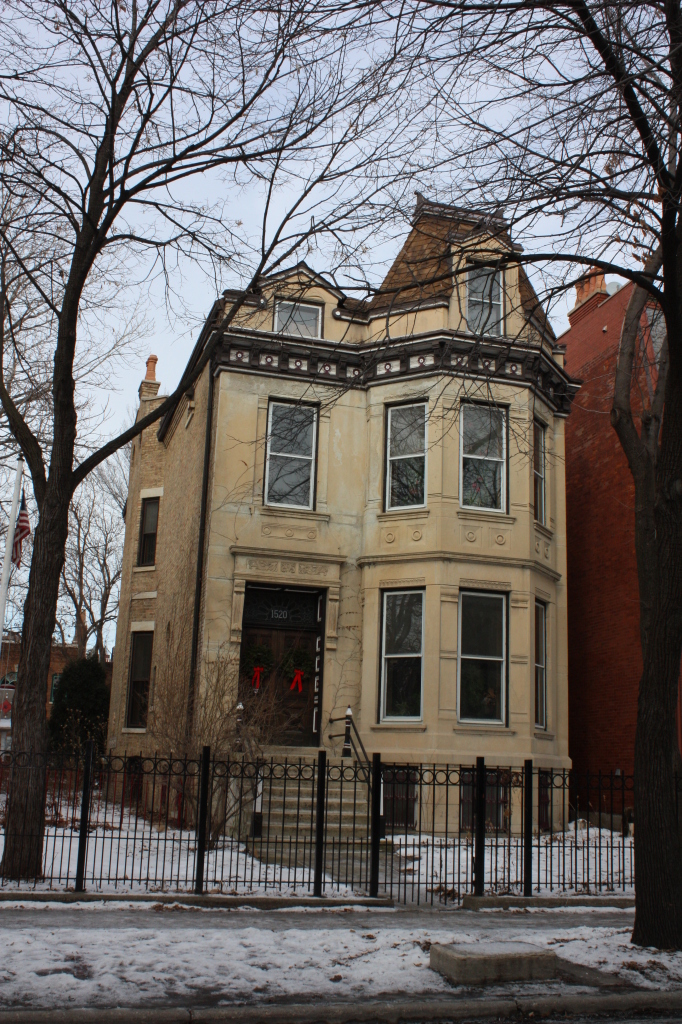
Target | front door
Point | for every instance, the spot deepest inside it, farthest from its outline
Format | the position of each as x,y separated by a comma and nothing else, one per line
281,661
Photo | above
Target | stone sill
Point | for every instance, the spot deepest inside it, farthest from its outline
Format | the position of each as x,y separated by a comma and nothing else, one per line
403,513
135,731
277,512
398,727
484,730
144,568
544,735
483,516
543,530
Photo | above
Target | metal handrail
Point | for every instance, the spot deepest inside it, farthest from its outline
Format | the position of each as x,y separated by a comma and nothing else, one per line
349,745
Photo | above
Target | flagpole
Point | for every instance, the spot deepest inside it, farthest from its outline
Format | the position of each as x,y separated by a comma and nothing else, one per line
7,563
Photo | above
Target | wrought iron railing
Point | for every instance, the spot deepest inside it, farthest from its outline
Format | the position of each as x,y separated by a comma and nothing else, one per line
312,826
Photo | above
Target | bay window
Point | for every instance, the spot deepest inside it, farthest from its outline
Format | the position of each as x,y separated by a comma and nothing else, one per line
406,456
483,457
290,455
402,654
482,656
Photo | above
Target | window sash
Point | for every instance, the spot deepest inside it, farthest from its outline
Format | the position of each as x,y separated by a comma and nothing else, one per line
500,461
289,323
56,676
540,665
388,660
139,679
147,555
417,458
484,312
466,660
272,454
539,472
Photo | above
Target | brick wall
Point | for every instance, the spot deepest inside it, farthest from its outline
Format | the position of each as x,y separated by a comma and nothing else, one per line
164,594
604,659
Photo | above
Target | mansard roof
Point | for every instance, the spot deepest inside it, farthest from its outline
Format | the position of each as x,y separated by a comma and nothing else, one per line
420,277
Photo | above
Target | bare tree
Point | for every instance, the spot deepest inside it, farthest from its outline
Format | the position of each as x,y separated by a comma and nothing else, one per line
567,116
111,112
91,574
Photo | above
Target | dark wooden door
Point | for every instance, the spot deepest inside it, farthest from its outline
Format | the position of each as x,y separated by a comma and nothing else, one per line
281,659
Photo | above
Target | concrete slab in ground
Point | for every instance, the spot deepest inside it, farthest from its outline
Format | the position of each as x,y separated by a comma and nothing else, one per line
463,964
500,962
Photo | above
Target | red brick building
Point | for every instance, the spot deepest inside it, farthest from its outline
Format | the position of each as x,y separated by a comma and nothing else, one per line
604,654
60,656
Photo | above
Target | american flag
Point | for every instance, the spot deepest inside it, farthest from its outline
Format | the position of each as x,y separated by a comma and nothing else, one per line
22,530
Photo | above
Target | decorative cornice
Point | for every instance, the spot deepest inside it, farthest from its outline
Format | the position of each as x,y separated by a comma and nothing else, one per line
346,364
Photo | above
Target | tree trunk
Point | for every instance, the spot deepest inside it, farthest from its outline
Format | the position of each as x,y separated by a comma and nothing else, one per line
81,632
23,851
658,532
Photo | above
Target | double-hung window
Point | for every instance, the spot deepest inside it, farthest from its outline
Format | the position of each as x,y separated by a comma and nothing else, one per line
140,675
540,665
402,650
482,656
298,318
406,456
148,530
290,458
538,472
484,301
483,446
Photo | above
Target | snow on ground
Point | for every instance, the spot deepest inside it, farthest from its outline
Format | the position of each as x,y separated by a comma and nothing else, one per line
578,860
180,957
137,857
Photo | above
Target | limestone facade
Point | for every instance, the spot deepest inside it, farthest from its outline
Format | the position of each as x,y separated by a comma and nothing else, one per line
443,560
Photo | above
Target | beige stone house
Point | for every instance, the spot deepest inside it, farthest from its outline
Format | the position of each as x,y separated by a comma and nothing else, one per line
362,502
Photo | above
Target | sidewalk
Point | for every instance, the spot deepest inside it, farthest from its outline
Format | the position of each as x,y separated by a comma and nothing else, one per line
305,964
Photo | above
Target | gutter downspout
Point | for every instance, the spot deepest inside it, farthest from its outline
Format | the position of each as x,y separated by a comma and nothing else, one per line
200,556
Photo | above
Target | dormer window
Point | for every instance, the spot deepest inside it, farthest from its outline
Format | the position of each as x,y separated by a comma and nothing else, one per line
484,301
298,318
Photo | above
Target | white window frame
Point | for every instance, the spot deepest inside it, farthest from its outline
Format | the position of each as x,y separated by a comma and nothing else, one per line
483,458
312,457
542,519
499,333
400,718
294,302
540,604
398,458
503,679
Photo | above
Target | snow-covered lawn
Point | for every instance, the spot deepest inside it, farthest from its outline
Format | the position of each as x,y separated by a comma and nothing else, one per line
125,954
573,861
138,857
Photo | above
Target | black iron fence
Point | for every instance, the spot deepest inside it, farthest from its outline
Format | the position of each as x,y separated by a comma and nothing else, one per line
313,826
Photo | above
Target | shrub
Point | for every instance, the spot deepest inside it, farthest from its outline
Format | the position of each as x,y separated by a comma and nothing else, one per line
81,708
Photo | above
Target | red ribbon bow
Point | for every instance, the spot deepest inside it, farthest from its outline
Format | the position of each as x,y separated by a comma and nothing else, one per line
298,678
255,679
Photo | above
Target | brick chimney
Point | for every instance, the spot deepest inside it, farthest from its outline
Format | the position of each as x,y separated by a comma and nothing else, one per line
590,291
149,387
